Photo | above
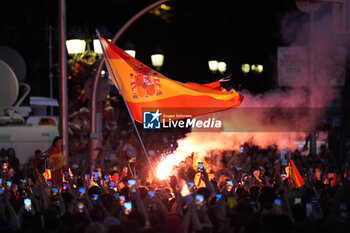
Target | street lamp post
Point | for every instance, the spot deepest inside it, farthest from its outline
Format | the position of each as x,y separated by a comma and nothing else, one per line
63,79
257,68
97,46
157,59
222,67
94,134
215,66
245,68
75,46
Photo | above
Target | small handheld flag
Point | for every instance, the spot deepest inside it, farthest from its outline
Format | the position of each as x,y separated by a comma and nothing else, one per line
294,175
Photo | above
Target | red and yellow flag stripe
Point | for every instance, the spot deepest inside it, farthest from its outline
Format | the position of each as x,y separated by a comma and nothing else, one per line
143,87
295,176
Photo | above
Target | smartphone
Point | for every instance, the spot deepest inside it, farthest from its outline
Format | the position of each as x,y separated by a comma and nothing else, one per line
86,176
277,206
200,167
22,181
94,197
127,207
54,190
278,202
81,207
8,184
95,175
4,166
81,190
229,185
314,200
190,185
343,212
64,186
241,149
27,204
48,182
297,200
151,193
308,209
199,200
0,181
252,202
132,185
218,196
1,190
132,182
111,184
121,200
66,172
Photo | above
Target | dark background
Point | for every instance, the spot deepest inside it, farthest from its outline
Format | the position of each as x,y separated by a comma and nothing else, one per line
190,34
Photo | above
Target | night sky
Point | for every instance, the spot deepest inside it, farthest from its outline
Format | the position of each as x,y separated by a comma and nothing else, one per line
190,34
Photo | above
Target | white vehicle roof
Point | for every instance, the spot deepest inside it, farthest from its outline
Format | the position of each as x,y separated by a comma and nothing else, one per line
39,101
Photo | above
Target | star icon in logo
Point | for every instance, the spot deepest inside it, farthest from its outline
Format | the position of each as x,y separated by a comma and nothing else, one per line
155,115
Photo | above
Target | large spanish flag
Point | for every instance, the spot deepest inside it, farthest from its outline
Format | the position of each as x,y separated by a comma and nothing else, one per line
294,175
144,88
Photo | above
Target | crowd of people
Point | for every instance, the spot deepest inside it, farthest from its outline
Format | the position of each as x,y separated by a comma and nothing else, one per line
249,190
229,191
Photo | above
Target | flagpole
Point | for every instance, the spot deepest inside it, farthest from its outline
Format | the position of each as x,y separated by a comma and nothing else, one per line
94,133
63,80
127,107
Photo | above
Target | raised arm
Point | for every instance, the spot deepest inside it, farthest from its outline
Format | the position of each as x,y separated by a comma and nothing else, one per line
12,213
208,183
140,206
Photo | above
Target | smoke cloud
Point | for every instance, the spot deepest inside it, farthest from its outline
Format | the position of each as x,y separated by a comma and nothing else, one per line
259,118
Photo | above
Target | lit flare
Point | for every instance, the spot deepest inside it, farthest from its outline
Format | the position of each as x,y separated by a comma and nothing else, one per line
166,166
